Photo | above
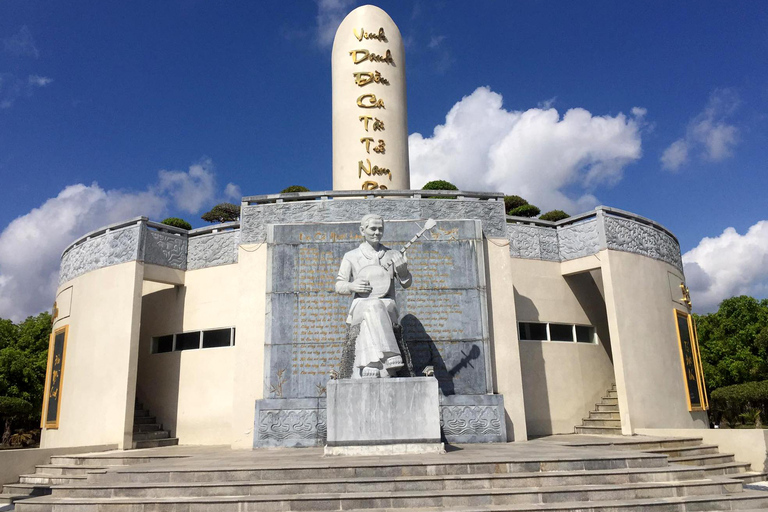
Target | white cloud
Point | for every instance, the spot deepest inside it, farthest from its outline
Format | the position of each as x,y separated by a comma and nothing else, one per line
31,245
727,265
708,134
21,44
39,81
190,190
233,192
552,161
330,14
436,41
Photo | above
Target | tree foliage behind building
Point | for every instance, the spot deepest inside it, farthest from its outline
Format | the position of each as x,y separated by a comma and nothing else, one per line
222,212
23,361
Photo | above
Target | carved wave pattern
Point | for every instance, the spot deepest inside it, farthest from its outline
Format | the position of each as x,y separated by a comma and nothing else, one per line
578,240
165,249
292,424
630,236
106,250
462,420
213,250
533,242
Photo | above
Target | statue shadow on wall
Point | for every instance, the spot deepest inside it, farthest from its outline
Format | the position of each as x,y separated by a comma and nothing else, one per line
424,352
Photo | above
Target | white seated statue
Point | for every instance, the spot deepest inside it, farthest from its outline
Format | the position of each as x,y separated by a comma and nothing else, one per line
369,272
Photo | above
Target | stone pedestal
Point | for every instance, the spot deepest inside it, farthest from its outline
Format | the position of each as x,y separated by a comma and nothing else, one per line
383,416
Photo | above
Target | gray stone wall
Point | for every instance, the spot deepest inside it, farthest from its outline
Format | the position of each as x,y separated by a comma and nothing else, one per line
213,249
590,233
111,248
165,249
255,218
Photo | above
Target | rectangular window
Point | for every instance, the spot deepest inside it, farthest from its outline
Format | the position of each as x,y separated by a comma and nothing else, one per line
533,331
217,338
560,332
690,358
569,333
162,344
188,340
584,334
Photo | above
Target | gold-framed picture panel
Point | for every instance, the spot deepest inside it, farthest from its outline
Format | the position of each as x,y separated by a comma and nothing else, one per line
57,353
690,360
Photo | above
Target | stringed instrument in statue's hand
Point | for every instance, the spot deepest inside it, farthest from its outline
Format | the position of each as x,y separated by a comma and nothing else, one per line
378,275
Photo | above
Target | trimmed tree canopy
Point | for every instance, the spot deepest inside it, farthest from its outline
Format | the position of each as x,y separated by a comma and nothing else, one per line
526,210
512,202
294,188
554,215
439,185
222,212
177,223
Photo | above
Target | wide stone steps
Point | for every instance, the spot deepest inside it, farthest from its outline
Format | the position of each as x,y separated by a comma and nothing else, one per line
703,460
589,429
595,498
44,479
702,449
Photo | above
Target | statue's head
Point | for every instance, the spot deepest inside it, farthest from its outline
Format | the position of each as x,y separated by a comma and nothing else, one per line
372,228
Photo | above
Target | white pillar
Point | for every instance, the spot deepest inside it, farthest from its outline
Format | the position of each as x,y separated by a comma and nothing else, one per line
370,123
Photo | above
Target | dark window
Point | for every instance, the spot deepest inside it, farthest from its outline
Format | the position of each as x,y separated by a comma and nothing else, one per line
560,332
584,334
217,338
188,340
163,344
533,331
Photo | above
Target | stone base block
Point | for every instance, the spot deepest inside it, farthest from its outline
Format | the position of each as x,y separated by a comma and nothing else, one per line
386,449
375,412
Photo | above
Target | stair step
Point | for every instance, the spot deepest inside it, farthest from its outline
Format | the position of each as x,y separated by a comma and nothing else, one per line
142,420
121,459
612,393
140,413
703,460
450,498
585,429
145,436
232,484
593,422
155,443
607,407
40,478
8,498
65,469
604,415
606,400
147,427
682,451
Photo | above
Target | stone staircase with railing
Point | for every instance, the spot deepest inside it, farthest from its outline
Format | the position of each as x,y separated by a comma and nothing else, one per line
538,475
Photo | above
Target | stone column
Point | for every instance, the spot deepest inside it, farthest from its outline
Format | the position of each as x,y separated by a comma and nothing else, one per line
370,123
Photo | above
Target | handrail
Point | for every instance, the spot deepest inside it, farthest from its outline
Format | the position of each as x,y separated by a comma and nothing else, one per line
215,228
332,194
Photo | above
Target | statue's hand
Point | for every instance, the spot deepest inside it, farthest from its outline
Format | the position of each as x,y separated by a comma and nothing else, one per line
400,263
360,286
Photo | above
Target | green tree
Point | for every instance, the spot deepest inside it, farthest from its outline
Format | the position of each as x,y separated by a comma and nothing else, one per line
23,361
177,223
222,212
439,185
554,215
512,202
526,210
734,342
294,188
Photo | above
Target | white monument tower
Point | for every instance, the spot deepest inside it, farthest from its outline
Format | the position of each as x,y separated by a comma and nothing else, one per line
370,122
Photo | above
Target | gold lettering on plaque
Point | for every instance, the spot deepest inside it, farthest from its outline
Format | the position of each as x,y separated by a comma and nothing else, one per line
372,171
378,36
365,120
372,101
378,125
367,141
380,149
363,78
363,55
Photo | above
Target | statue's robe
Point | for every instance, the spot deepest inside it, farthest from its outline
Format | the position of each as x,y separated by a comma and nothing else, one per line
376,342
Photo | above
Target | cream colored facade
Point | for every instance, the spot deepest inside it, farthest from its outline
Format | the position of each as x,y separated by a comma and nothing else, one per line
207,396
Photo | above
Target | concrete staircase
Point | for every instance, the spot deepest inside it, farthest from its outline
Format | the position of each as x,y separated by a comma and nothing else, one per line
67,470
147,432
537,475
605,419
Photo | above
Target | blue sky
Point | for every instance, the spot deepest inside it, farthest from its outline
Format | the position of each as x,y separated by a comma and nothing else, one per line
110,110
